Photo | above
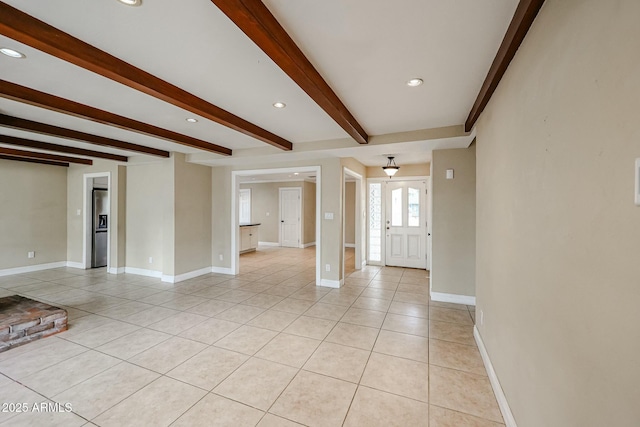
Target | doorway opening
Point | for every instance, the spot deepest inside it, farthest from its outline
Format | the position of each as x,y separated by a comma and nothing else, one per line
352,222
97,219
266,203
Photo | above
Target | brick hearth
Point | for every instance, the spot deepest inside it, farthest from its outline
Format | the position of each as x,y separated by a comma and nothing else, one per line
23,320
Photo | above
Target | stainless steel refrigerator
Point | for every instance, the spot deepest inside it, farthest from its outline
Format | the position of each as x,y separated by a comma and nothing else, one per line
100,227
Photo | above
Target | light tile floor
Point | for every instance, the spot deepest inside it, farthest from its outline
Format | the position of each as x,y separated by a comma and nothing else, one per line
265,348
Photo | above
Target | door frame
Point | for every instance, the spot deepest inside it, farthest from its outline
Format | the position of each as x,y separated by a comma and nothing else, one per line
360,261
87,223
235,230
300,213
421,261
383,181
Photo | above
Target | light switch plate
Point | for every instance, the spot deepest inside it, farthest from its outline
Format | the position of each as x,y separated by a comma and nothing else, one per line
637,182
449,173
328,215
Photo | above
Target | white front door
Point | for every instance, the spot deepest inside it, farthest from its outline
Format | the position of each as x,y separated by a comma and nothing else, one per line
290,217
405,224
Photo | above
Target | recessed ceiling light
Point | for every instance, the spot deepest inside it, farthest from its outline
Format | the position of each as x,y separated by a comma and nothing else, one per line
296,173
131,2
191,120
12,53
415,82
279,104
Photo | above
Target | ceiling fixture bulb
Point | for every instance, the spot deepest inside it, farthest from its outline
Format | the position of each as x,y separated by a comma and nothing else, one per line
131,2
279,104
415,82
391,167
12,53
191,120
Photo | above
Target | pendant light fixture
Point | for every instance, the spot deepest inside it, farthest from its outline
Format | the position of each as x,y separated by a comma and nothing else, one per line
391,167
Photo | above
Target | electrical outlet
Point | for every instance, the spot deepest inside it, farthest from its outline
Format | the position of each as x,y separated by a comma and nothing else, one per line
150,260
78,212
31,254
221,257
481,317
327,267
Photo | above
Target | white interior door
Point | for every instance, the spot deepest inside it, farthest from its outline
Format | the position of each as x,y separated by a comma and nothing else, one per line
290,217
406,224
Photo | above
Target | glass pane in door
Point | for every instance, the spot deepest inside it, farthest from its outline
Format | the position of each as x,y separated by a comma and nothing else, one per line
413,207
375,222
396,207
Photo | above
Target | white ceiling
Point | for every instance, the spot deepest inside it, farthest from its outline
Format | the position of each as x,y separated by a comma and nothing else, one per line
366,50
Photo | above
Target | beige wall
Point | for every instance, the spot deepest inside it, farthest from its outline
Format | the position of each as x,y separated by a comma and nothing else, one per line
192,216
309,209
221,217
350,213
146,197
422,169
117,220
453,261
557,229
33,209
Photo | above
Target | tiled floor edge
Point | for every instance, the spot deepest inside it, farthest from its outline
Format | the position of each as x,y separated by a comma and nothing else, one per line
507,415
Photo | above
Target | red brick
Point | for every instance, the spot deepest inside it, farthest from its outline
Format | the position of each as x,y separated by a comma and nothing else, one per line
23,320
12,336
52,317
25,325
39,328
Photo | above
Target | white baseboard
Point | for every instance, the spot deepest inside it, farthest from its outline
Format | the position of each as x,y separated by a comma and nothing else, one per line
116,270
268,244
222,270
143,272
306,245
509,420
186,276
364,264
453,298
78,265
32,268
331,283
349,245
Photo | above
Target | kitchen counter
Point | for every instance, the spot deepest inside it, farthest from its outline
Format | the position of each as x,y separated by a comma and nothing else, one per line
248,237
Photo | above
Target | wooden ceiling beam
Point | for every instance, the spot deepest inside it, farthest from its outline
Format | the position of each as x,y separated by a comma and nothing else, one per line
22,142
26,29
61,105
50,130
44,156
40,161
523,18
259,24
